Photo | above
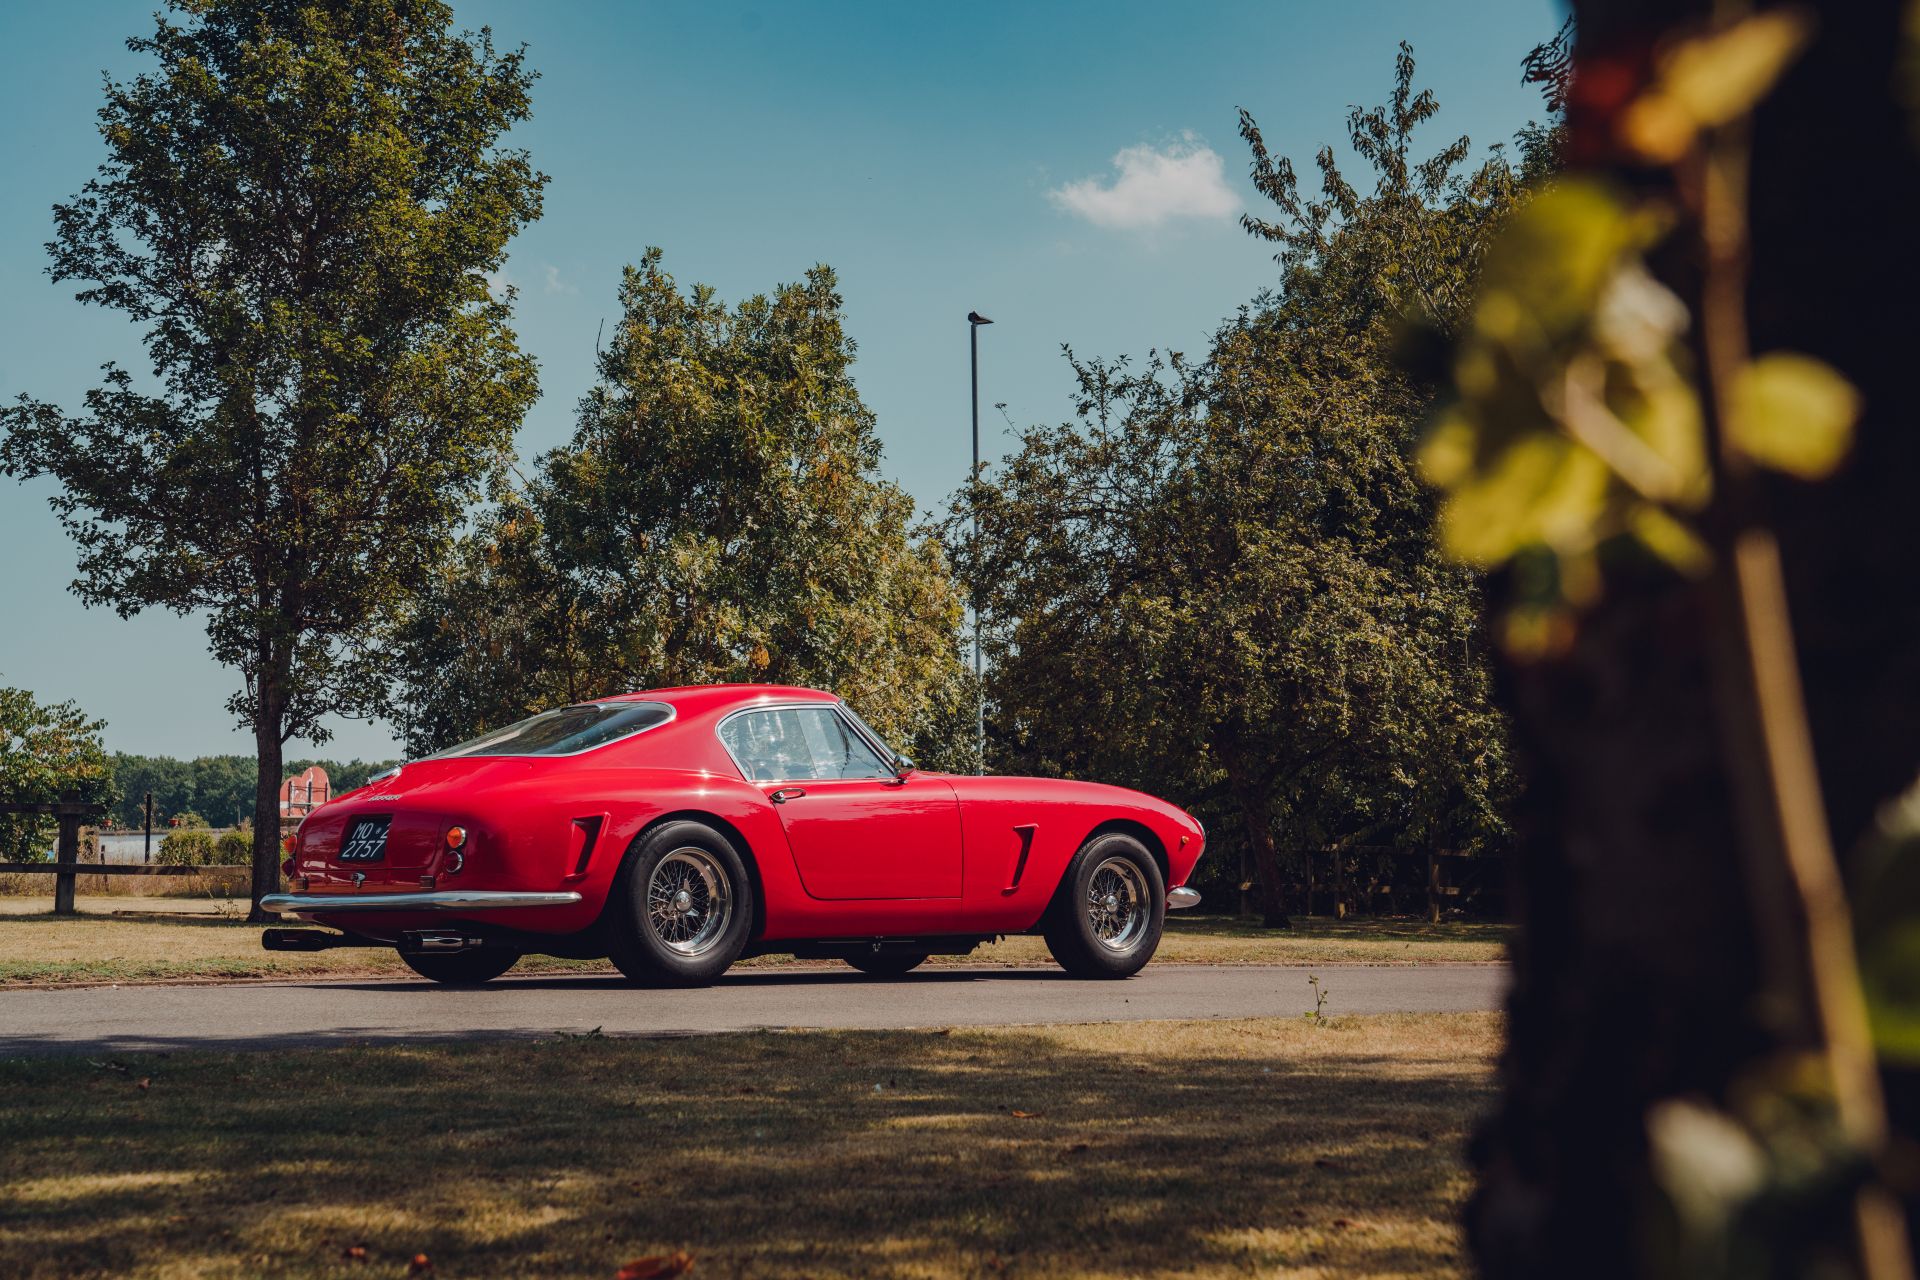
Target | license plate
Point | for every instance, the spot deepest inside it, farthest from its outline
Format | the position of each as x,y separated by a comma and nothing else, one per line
366,839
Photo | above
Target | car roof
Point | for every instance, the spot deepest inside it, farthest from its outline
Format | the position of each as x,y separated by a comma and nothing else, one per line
695,698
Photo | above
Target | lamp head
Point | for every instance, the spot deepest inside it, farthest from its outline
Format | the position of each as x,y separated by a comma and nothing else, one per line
974,317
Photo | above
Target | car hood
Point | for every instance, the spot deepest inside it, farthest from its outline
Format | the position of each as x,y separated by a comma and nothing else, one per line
997,786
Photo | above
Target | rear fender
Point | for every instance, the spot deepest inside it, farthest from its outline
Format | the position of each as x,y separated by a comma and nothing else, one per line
733,836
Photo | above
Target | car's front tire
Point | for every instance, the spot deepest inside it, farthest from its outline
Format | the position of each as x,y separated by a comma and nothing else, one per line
681,907
1106,919
463,968
888,964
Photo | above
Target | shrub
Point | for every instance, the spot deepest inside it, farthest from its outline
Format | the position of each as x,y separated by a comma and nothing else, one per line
186,847
189,819
234,846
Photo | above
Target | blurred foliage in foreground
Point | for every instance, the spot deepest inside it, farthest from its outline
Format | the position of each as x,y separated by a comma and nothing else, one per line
1664,444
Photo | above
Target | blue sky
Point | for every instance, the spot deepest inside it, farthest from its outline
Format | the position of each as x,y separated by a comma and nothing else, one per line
1070,170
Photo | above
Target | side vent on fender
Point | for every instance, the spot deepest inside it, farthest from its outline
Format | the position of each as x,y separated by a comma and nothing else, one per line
1025,832
586,834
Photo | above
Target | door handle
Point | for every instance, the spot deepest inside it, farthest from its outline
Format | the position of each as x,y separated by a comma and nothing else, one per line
785,794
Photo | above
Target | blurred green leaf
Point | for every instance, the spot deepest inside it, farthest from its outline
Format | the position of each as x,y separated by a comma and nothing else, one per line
1708,1164
1541,489
1891,972
1546,271
1886,896
1712,79
1793,413
1669,539
1576,420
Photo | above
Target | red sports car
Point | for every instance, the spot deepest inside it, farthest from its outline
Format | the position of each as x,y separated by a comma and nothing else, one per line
677,830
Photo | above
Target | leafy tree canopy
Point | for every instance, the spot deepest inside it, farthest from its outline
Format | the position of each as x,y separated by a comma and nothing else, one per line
48,752
1222,581
717,516
301,203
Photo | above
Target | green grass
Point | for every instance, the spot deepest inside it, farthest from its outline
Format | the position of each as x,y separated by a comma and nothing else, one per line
1197,1149
42,949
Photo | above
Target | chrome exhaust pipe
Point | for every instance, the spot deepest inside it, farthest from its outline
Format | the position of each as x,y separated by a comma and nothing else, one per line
312,940
438,943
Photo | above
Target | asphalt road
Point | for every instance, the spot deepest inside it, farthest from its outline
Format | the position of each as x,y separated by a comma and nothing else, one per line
285,1014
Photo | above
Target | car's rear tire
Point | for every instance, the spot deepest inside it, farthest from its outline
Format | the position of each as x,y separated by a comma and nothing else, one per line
681,907
463,968
1106,918
888,964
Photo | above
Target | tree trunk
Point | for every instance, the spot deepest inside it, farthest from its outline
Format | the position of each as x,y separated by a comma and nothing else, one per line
268,749
1248,876
1662,951
1634,968
1844,121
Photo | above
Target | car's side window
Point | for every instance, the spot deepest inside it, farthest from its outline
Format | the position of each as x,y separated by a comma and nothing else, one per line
841,752
787,744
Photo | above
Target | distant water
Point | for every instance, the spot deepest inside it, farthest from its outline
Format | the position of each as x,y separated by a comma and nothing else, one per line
125,846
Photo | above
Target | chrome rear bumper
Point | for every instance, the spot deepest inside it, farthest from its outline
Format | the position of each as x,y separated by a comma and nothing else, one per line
1182,898
424,900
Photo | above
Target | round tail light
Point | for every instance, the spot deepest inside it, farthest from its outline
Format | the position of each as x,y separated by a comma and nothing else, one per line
456,837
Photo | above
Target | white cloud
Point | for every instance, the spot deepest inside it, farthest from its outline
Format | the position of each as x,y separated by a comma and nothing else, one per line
498,282
554,282
1153,186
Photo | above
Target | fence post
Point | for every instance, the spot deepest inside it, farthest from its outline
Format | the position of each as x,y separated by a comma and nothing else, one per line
66,852
1433,888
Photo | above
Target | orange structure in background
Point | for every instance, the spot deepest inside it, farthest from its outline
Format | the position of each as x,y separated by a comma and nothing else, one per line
303,793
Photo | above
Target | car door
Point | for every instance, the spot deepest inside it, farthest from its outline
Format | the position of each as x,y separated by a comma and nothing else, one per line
857,830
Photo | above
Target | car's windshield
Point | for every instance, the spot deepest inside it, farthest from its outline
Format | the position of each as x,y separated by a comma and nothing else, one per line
565,731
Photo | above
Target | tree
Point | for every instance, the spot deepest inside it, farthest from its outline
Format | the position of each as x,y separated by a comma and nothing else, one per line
302,204
169,781
717,516
344,775
48,752
1223,582
219,786
1681,440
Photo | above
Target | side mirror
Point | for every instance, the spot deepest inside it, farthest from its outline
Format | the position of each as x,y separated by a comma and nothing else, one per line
902,766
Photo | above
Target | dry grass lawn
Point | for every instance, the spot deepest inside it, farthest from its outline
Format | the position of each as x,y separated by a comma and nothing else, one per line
174,940
1191,1149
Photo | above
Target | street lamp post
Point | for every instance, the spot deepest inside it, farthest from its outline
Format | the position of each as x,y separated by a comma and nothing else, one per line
974,321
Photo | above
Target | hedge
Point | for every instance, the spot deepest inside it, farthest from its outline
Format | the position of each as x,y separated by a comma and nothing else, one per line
186,847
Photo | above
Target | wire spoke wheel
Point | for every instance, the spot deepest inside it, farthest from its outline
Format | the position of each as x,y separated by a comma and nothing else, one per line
689,901
1118,904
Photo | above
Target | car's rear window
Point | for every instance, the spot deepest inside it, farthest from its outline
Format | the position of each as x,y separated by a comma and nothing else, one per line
566,731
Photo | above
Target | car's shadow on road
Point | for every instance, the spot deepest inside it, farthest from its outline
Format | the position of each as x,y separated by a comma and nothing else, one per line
746,978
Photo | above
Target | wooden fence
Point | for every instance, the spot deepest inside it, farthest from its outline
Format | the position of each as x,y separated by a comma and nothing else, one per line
71,816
